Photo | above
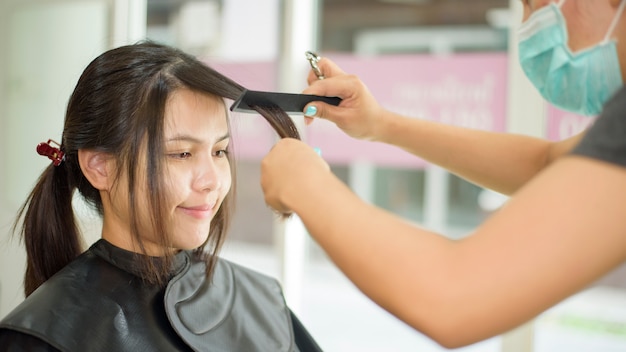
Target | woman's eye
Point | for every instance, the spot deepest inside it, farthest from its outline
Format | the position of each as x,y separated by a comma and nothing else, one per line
183,155
221,153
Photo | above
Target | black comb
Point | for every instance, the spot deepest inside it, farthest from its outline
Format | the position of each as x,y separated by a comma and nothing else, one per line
291,103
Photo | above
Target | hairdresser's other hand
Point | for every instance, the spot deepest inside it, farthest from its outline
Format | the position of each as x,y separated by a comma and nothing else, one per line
359,114
289,171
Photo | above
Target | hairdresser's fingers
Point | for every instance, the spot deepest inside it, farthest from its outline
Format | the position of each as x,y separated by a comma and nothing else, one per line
343,117
357,114
328,68
332,85
286,170
344,86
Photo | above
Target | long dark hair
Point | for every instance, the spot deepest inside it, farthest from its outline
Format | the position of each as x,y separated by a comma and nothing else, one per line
118,104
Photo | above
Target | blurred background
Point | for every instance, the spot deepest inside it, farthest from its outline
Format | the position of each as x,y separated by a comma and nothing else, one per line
447,60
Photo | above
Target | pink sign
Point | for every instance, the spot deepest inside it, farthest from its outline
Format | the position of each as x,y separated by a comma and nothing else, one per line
465,90
562,124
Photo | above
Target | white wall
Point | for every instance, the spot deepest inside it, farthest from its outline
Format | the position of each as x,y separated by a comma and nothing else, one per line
45,45
249,30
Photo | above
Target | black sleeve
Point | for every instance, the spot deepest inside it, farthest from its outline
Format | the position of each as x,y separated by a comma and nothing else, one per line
304,340
14,341
606,139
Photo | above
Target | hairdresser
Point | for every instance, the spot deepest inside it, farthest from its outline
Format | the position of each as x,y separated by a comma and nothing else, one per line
562,229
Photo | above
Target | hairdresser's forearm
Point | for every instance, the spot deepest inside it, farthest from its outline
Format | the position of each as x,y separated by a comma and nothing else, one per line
499,161
407,270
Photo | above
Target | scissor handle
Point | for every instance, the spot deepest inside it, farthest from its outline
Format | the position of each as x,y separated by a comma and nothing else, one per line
313,60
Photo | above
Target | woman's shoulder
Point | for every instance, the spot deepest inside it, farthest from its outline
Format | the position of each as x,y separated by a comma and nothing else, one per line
15,341
62,288
70,300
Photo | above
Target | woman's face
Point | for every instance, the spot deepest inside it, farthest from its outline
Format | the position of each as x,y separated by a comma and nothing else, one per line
198,170
197,176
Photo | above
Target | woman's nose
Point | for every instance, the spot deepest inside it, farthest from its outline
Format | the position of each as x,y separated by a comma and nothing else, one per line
207,176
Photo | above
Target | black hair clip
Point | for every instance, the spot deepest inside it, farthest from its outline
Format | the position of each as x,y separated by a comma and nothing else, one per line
53,153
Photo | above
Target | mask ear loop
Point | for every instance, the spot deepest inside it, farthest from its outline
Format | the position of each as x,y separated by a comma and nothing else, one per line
616,19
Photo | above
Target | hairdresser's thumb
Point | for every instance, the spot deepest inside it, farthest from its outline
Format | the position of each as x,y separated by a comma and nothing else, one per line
318,110
310,113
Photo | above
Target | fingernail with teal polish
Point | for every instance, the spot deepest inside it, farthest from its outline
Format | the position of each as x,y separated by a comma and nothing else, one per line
310,111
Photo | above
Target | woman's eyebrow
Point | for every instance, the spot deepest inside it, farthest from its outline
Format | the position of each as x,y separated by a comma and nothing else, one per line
195,140
224,137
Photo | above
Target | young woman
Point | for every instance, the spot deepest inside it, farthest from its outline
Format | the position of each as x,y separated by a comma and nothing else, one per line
146,142
563,228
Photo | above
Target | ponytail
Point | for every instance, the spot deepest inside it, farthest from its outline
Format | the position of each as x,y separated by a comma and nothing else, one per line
48,229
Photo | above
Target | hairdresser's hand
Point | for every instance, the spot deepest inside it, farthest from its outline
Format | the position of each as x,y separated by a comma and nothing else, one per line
359,114
288,172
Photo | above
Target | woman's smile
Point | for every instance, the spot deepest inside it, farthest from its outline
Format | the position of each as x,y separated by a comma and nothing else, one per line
204,211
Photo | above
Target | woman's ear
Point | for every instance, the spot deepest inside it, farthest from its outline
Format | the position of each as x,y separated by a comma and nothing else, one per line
97,167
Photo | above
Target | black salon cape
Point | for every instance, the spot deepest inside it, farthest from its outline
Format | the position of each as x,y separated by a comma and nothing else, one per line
98,303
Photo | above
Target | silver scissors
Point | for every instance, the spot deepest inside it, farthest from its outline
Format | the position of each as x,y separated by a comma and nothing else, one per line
313,60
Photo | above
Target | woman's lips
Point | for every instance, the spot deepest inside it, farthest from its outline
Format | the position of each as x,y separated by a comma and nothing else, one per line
198,212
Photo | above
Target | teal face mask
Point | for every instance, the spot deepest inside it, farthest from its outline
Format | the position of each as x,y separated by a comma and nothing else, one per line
580,82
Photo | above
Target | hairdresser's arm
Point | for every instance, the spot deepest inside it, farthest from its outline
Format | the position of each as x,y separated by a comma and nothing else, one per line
548,242
502,162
